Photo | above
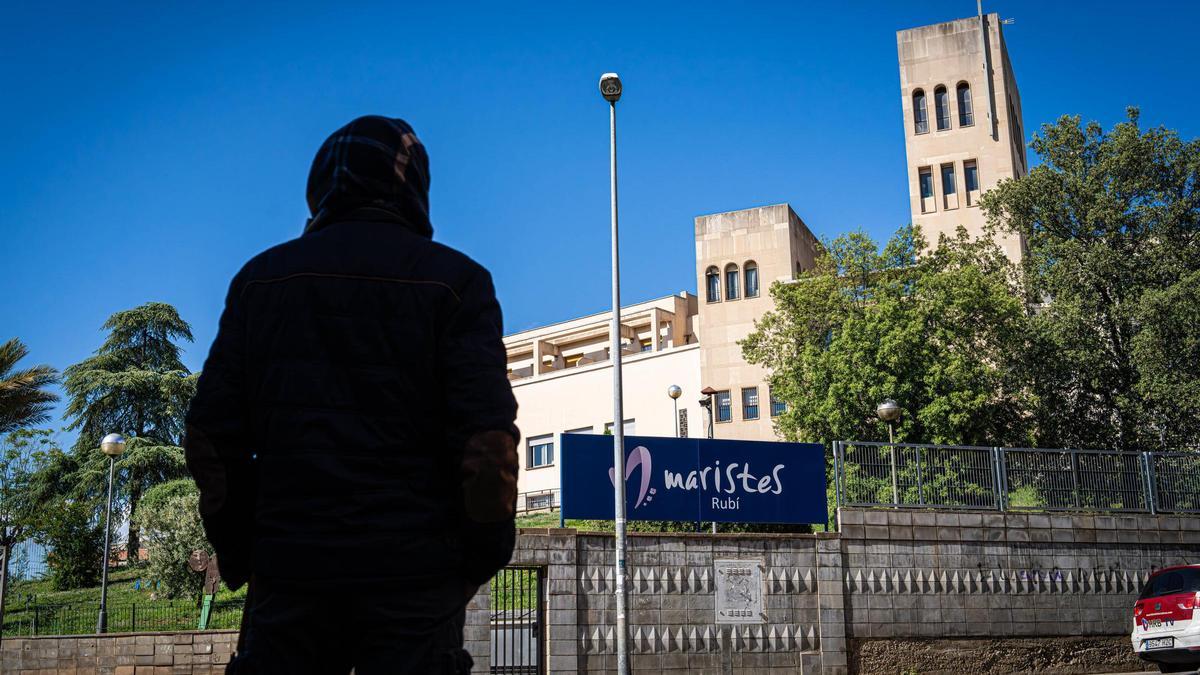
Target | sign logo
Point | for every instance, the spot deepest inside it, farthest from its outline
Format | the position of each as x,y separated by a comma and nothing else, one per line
638,458
695,479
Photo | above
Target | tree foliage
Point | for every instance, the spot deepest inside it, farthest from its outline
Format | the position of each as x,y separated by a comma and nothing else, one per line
24,400
137,385
169,519
1112,221
75,539
934,332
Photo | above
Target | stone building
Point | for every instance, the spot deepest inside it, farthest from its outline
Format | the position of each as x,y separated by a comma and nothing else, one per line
962,123
963,134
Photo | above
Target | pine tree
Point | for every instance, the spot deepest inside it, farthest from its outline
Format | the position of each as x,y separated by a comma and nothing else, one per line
136,385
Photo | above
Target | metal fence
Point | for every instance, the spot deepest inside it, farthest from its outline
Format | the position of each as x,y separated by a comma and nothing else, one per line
30,619
518,621
977,477
539,500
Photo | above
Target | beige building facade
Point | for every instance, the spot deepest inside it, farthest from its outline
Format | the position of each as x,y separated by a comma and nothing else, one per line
963,134
561,374
963,128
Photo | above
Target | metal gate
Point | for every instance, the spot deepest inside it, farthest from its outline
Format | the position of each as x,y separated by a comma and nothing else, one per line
518,621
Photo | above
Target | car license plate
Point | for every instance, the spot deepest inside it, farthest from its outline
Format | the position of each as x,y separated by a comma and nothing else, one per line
1159,643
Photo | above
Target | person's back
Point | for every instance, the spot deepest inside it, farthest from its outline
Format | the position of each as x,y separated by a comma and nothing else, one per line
352,434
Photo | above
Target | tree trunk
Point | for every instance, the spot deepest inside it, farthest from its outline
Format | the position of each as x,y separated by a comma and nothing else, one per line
133,541
5,554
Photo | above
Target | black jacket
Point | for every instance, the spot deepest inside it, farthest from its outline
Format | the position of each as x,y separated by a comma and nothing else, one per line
351,369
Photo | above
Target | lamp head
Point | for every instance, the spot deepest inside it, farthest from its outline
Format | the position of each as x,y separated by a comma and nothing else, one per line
674,391
888,410
610,87
113,445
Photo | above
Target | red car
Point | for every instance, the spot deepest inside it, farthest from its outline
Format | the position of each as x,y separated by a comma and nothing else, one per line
1163,630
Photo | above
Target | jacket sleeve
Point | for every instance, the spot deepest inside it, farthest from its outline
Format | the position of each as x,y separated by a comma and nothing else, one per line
216,445
481,412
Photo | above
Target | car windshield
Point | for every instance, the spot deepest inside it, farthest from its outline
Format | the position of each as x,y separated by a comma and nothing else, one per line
1186,580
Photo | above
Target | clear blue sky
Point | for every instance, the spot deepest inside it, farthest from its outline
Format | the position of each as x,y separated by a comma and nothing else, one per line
148,151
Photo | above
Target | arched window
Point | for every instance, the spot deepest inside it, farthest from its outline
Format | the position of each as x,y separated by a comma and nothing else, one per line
920,114
731,282
751,271
966,114
941,106
712,284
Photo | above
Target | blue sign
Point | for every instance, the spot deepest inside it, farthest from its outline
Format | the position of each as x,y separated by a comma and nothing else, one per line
695,479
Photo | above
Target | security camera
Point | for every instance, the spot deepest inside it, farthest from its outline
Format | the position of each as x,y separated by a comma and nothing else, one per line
610,87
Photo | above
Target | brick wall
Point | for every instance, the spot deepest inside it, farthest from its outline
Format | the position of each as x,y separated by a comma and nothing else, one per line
119,654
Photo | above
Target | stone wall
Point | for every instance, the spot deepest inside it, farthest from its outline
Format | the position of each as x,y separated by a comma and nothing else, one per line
671,600
925,574
119,654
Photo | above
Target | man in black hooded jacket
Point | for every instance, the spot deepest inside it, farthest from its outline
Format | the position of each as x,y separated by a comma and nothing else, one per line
352,434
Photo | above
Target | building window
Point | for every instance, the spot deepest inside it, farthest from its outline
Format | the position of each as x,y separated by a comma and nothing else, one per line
712,285
966,116
777,407
647,344
971,175
628,427
948,179
941,105
920,114
750,403
540,453
751,279
580,430
724,406
731,282
926,183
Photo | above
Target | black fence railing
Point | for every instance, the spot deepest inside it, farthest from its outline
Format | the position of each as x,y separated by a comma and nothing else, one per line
31,619
993,478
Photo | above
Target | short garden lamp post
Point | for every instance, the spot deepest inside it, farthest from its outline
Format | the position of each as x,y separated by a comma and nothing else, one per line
112,445
674,391
889,411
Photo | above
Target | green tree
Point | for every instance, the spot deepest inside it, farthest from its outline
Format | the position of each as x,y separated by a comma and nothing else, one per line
24,400
75,537
936,332
1112,221
21,455
169,519
135,384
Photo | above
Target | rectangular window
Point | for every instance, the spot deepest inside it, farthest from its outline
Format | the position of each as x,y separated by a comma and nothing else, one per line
580,430
540,452
629,428
750,403
777,407
948,187
724,406
647,344
926,182
971,176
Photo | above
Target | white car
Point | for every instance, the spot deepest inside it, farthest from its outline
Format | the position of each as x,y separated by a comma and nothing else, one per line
1164,631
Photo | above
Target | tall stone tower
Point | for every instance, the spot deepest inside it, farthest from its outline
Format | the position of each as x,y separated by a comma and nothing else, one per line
962,123
739,254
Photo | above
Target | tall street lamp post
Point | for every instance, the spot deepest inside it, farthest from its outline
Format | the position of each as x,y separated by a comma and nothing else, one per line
889,411
707,402
112,445
675,392
610,89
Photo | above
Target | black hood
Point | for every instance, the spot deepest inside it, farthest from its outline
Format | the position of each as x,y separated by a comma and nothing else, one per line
372,163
